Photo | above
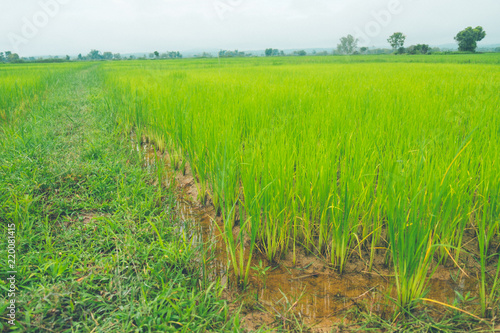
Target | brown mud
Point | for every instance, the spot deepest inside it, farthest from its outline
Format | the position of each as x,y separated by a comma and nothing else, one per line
311,290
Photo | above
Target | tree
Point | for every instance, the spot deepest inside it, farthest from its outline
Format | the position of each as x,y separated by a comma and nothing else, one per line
397,41
13,57
204,55
117,56
67,57
467,39
418,49
300,53
348,45
2,57
423,48
80,57
107,56
157,54
273,52
363,49
222,54
94,55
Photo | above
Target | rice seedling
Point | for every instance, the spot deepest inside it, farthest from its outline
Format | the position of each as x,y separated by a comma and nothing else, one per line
334,155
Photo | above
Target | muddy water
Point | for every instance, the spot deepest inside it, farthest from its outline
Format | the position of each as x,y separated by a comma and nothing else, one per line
310,288
317,292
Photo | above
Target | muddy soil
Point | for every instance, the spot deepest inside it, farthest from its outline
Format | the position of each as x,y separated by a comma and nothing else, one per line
310,290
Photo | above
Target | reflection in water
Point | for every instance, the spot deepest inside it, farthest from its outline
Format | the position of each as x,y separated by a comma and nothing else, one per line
322,293
314,289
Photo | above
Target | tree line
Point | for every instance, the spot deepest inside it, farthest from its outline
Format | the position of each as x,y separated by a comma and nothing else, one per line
467,42
93,55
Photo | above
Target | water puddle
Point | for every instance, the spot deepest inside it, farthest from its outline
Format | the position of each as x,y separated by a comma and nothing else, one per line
310,288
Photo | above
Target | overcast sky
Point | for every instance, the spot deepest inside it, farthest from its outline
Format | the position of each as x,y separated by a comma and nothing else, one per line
58,27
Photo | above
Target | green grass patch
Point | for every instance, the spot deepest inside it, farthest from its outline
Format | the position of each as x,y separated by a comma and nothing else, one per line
97,247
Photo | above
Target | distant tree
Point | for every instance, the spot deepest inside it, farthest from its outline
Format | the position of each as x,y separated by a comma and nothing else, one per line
273,52
282,53
95,55
497,49
418,49
467,39
2,57
227,54
80,58
13,58
67,57
423,48
171,55
300,53
157,54
204,55
348,45
151,55
322,53
397,41
117,56
363,49
107,56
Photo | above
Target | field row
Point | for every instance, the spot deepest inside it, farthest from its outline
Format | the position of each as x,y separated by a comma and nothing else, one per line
331,156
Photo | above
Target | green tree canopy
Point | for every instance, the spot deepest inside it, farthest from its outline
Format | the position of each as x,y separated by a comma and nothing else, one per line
95,55
467,39
397,40
348,45
107,55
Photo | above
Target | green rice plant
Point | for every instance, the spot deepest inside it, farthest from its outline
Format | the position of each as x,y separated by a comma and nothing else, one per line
329,153
488,224
239,257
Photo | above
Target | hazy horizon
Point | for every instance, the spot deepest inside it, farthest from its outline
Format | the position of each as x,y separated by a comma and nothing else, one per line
45,27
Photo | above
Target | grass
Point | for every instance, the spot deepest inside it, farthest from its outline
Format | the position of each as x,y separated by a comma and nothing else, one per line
333,153
97,243
393,156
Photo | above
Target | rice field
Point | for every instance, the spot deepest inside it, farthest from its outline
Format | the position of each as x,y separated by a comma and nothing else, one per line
382,159
22,86
397,157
